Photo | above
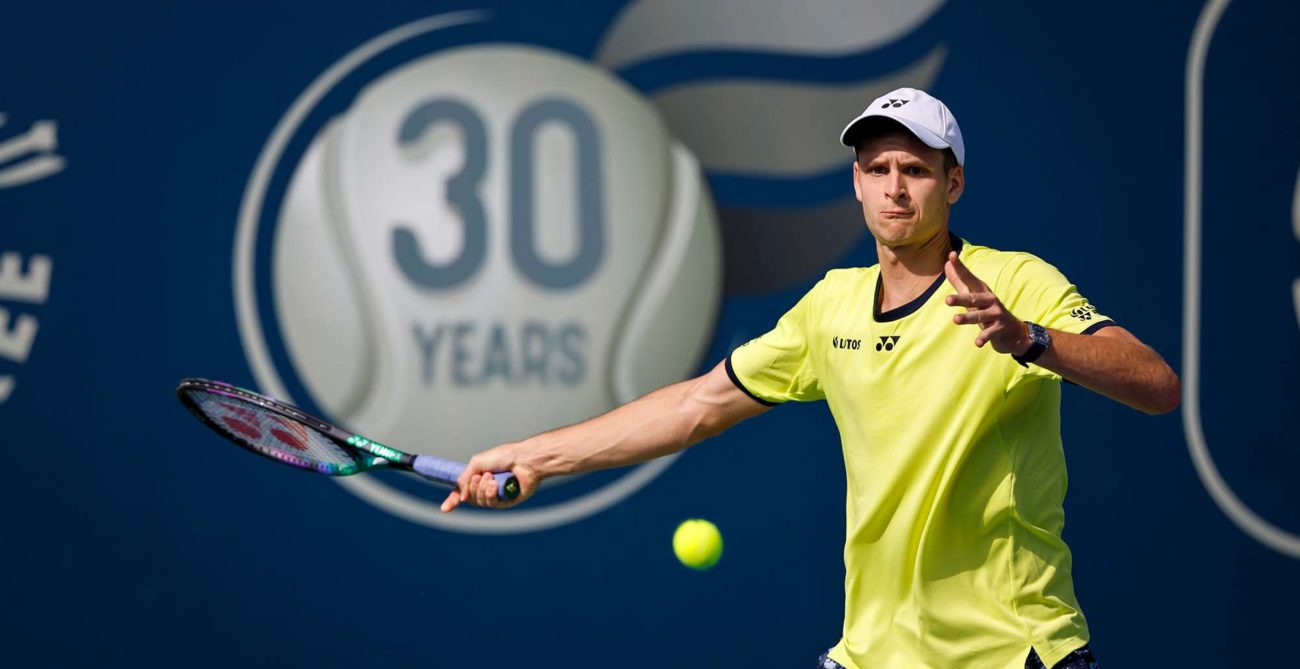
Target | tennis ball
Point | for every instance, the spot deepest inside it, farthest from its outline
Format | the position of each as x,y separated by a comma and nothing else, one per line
697,543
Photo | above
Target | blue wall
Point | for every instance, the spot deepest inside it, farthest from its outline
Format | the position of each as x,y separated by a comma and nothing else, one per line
132,535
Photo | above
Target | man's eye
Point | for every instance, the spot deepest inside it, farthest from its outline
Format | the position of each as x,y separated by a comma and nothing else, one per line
915,170
879,170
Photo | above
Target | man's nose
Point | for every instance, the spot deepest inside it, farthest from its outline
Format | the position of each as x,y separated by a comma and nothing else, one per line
894,188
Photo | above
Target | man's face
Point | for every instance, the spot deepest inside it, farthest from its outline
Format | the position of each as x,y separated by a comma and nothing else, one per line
904,191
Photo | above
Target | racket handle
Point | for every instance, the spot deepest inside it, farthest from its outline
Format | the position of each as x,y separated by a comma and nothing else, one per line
448,471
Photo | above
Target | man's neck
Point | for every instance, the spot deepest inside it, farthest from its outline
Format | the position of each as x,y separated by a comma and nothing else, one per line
907,271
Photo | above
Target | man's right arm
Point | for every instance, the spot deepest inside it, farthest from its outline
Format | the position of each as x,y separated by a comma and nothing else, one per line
663,422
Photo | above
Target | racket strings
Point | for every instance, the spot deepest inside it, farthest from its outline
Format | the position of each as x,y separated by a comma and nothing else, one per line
272,434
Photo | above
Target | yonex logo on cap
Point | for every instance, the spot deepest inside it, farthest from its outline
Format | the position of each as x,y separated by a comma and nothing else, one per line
921,114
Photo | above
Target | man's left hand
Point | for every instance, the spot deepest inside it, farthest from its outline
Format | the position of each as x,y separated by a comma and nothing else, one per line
998,326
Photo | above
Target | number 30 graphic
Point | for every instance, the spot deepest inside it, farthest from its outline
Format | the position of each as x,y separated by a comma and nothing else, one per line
462,194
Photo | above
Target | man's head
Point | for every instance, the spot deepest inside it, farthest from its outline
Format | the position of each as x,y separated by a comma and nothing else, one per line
908,170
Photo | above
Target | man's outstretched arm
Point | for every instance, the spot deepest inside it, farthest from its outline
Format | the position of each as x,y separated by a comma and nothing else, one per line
1116,364
663,422
1111,362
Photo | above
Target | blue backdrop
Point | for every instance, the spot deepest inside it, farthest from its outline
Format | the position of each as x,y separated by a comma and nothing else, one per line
133,535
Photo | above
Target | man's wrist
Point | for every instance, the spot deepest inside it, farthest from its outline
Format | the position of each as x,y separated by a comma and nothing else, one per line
1023,343
536,454
1039,341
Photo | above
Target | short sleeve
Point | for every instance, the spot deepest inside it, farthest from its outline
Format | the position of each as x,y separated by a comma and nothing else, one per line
1036,291
778,366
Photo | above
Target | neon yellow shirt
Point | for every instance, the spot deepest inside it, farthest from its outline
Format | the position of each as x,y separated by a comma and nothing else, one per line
956,474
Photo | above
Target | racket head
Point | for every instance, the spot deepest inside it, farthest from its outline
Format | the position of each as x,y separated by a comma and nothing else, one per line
272,429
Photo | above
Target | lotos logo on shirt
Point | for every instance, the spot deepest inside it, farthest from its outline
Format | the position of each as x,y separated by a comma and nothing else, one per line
847,344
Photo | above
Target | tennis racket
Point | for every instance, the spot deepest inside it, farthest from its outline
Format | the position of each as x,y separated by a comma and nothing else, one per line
286,434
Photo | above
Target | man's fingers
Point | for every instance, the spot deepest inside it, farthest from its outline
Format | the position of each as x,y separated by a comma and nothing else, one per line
479,489
463,482
971,300
954,277
485,492
463,490
452,501
489,484
959,268
977,316
471,490
986,335
969,282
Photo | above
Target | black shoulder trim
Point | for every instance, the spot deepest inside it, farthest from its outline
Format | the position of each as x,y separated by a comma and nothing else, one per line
1099,325
736,380
911,307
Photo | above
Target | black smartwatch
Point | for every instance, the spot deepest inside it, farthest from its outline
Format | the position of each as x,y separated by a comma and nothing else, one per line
1040,341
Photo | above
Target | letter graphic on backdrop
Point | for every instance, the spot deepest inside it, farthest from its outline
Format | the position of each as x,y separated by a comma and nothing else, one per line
36,149
25,158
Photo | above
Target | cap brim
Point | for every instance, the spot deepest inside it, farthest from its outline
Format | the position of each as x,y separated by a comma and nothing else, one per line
853,131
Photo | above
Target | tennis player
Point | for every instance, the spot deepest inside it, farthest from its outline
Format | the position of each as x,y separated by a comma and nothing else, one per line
942,366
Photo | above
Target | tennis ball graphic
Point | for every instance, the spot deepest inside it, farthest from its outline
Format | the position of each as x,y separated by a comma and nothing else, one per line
697,543
493,241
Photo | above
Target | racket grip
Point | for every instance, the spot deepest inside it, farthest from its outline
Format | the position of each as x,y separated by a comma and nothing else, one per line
448,471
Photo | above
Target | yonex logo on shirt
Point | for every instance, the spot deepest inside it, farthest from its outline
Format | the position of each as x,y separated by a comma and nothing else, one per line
1083,313
887,343
894,103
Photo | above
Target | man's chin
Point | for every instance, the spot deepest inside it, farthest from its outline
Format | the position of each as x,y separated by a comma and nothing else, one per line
895,238
902,237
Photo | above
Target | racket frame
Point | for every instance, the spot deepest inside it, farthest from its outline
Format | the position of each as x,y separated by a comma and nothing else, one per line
367,453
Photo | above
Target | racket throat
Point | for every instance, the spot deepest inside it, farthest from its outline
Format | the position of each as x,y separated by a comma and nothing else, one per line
380,451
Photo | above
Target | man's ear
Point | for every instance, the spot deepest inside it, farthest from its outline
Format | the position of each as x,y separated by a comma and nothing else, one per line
857,190
956,184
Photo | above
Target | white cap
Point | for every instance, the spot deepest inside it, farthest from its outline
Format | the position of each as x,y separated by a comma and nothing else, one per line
919,112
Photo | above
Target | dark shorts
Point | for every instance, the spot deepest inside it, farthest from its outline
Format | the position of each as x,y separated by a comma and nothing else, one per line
1079,659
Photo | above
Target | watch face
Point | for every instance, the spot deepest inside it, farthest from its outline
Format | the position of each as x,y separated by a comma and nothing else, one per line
1039,334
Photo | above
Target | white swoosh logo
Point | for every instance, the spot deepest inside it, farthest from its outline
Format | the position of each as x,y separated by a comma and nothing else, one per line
777,129
652,28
